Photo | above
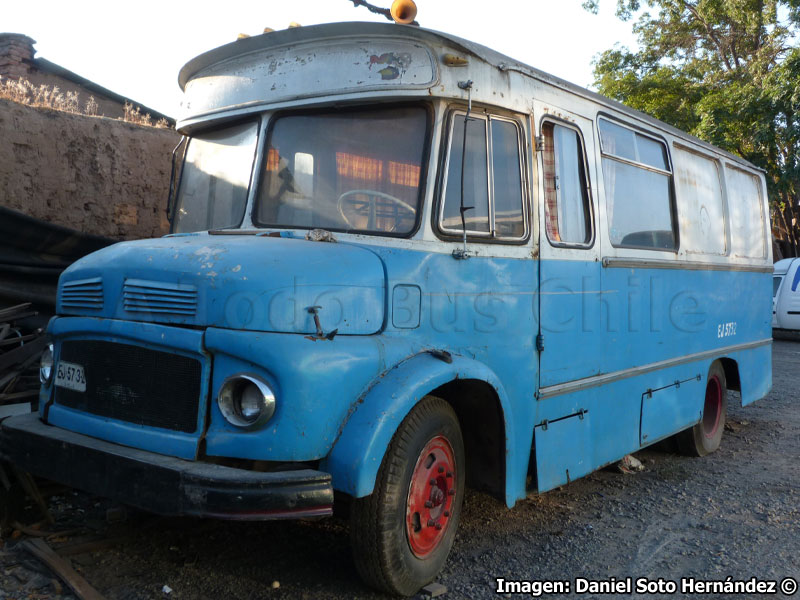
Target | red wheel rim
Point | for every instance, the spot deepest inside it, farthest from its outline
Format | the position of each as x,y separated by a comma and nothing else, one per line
713,407
431,496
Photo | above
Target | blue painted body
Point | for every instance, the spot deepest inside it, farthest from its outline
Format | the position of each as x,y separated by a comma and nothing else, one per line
243,282
607,320
356,458
340,401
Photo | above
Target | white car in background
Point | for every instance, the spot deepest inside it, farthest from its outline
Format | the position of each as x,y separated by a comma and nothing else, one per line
786,295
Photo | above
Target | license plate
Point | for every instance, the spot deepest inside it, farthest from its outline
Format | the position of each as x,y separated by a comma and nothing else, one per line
70,376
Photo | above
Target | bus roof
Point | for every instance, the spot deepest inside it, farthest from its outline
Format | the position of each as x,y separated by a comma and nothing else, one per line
500,61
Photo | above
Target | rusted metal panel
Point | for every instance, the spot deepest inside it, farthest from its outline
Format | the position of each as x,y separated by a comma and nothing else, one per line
316,69
21,345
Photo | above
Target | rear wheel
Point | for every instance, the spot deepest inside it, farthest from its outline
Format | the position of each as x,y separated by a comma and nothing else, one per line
402,533
705,437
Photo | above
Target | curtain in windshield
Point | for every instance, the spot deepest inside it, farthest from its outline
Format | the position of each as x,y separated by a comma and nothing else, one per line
355,170
215,179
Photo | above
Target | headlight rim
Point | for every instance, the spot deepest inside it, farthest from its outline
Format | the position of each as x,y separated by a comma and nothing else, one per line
48,352
227,401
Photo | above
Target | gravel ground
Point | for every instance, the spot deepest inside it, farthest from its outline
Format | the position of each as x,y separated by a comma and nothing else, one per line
734,513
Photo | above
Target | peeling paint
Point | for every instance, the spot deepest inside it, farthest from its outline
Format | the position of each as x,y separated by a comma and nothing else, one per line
208,253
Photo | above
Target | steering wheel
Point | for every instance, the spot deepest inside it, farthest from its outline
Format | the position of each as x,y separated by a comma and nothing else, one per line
373,194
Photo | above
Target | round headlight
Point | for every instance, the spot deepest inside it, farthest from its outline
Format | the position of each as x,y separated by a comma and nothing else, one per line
246,401
46,365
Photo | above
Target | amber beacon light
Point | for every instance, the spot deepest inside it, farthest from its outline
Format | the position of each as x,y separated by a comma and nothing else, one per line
403,11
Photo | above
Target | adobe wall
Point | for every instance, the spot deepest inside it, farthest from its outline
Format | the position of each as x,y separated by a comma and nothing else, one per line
105,106
92,174
17,62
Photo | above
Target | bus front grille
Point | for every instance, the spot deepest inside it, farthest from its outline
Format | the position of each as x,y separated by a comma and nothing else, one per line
134,384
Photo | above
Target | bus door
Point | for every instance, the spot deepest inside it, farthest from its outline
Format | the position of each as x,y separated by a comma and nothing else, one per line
570,339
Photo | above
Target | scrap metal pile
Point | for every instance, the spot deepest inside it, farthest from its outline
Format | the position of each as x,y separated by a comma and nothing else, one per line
21,345
32,256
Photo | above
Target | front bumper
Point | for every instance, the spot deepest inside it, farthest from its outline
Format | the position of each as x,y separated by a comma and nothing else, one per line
162,484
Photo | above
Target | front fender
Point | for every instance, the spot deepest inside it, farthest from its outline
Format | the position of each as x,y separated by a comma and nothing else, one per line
358,452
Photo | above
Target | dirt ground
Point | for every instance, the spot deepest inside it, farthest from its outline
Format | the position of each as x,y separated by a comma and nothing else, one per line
735,513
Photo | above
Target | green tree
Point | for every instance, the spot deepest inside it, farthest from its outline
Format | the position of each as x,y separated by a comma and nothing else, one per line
727,71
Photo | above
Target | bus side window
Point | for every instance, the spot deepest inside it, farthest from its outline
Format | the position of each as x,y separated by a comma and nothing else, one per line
698,188
476,177
492,179
638,182
506,179
745,208
567,206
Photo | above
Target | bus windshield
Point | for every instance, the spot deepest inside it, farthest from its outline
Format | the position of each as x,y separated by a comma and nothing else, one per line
355,170
215,178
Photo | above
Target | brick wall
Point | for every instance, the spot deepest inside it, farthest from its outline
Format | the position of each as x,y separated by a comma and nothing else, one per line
92,174
16,53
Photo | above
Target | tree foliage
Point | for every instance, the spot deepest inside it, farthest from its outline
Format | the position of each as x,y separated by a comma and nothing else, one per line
727,71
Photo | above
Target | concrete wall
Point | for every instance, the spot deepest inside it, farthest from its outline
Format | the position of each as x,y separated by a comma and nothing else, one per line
92,174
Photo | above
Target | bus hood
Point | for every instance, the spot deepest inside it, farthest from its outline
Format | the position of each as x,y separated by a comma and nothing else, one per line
257,283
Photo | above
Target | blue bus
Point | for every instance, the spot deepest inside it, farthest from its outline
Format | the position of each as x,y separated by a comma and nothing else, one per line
402,264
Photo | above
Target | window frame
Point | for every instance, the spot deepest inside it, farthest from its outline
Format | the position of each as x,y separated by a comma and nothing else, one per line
258,120
763,212
680,145
437,214
339,109
593,232
670,174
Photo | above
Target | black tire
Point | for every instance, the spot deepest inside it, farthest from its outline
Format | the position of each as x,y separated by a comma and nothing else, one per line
705,437
398,550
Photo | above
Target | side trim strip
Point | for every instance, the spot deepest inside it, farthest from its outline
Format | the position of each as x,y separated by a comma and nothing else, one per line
596,380
610,262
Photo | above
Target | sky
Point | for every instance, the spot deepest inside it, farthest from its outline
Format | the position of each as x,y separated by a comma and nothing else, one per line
137,49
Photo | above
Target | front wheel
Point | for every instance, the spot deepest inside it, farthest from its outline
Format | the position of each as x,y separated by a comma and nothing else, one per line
402,533
705,437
